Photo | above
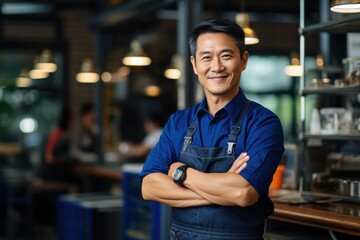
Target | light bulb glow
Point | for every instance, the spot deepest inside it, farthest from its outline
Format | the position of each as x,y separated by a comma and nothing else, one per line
47,67
293,70
172,73
87,77
28,125
38,74
136,61
346,8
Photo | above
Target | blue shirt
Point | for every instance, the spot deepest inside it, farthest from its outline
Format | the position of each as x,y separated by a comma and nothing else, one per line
261,137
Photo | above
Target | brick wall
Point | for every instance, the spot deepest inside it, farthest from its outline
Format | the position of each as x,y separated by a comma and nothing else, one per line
80,42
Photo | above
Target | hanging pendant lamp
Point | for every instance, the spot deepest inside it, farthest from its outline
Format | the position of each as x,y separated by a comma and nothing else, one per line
345,6
136,57
243,20
294,69
87,73
46,62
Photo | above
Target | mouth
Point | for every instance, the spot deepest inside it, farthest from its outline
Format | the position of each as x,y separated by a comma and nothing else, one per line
217,77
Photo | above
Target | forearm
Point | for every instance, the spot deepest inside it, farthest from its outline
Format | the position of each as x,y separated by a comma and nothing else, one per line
133,150
161,188
227,189
138,150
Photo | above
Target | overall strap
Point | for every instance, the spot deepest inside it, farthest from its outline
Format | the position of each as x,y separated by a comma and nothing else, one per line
235,130
189,135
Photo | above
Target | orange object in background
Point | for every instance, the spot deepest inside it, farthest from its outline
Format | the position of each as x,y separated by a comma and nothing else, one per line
278,177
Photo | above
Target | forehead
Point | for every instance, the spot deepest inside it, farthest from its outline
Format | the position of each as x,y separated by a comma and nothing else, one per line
213,41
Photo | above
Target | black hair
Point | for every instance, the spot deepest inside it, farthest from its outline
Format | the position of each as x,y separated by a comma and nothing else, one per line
64,118
154,118
217,26
86,108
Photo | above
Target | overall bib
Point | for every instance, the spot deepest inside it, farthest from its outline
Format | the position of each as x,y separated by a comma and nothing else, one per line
215,222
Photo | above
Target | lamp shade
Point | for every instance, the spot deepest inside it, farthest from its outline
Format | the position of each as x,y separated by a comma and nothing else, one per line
38,74
87,73
345,6
294,69
23,80
136,57
152,91
243,20
45,62
173,71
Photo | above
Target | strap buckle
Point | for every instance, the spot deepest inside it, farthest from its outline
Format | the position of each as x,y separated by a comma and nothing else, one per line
230,147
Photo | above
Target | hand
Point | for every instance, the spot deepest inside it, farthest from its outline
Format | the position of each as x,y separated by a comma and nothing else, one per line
124,147
173,167
240,163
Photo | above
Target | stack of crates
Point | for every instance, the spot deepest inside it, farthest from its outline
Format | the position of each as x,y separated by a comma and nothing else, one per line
89,216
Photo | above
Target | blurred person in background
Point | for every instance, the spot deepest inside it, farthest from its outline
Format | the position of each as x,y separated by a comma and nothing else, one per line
153,128
57,151
57,159
84,149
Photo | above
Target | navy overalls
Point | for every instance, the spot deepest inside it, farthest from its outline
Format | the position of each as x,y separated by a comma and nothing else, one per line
214,221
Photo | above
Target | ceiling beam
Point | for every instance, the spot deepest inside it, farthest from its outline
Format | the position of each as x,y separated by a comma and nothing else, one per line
121,13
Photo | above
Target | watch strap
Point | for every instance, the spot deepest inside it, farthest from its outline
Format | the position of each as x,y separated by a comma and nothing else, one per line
183,169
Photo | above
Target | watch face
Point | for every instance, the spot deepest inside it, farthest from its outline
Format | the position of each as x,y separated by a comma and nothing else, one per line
177,174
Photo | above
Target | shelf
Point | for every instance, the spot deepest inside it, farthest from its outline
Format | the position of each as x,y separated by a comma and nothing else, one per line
330,90
344,24
327,69
316,159
317,194
337,137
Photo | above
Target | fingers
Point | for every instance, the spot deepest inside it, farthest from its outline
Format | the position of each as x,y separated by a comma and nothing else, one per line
240,163
241,167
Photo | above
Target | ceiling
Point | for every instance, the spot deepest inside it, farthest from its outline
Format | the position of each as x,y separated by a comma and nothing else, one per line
155,23
260,10
269,18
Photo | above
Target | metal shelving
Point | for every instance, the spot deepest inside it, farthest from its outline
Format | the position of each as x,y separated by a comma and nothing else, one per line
333,137
330,90
340,23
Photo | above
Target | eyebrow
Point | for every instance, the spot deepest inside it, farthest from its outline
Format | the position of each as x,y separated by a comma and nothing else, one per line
222,51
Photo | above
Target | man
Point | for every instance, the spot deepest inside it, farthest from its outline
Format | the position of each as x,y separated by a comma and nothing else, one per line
214,162
84,148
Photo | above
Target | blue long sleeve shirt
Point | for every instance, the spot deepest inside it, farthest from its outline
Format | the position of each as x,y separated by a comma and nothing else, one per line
261,137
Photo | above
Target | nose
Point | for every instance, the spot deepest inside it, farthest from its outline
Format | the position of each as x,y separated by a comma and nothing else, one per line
216,64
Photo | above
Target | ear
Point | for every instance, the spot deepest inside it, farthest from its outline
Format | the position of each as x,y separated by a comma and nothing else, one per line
244,59
193,63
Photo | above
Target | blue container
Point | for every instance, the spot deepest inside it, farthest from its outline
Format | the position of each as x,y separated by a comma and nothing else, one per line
141,219
89,217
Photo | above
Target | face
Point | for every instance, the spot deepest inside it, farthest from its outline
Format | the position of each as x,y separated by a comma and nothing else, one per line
88,120
148,126
219,64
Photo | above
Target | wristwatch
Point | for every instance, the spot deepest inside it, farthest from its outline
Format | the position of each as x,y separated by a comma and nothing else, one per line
179,175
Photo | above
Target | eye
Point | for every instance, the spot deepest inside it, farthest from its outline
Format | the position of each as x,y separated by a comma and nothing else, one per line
226,56
206,58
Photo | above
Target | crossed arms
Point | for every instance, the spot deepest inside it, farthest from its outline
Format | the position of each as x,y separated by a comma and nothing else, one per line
201,189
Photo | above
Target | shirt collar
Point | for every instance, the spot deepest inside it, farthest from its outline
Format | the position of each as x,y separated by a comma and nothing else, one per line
232,108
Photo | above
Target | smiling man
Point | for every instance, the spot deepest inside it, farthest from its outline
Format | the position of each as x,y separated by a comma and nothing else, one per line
214,162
